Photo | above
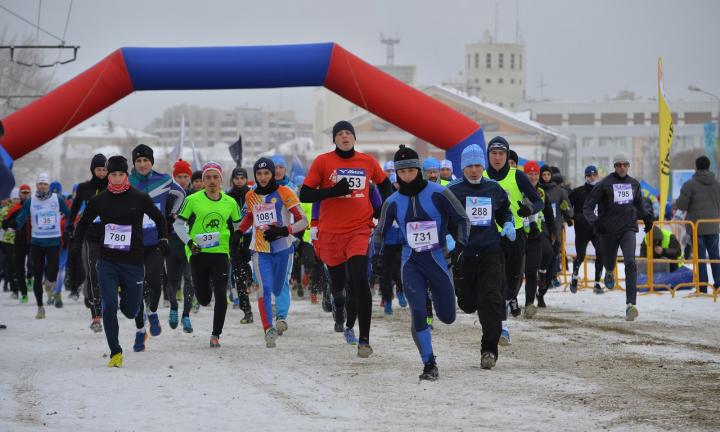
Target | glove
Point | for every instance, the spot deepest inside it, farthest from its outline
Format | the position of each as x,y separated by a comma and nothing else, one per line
236,239
164,247
523,211
275,232
194,248
341,188
457,257
377,264
534,231
648,222
508,230
564,205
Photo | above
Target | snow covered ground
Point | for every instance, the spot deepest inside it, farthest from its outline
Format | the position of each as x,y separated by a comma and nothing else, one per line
578,366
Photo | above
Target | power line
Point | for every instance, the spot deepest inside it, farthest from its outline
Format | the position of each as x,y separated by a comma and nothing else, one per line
26,21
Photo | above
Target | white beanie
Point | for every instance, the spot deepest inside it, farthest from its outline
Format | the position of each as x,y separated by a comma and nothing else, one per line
43,177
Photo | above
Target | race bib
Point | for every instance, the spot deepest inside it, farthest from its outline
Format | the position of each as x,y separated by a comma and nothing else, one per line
622,193
47,220
147,222
355,177
118,237
264,214
422,236
479,210
207,240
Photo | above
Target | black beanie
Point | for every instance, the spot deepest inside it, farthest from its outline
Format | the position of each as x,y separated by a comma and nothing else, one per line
239,172
117,163
143,151
196,175
264,163
98,160
702,163
498,143
2,130
545,168
513,156
406,157
343,125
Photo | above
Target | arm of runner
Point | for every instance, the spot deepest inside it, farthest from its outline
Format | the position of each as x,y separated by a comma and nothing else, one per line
64,208
549,215
74,210
179,194
529,191
301,221
247,221
591,201
387,216
156,216
181,230
23,214
88,216
457,215
503,213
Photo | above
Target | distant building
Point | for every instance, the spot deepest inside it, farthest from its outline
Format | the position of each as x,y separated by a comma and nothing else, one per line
598,130
213,130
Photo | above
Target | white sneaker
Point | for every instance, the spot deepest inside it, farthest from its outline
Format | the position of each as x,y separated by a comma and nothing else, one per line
631,312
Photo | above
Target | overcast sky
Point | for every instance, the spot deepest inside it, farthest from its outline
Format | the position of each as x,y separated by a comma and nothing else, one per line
582,49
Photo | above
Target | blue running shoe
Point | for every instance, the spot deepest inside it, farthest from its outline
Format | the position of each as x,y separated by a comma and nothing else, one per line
504,337
401,299
140,338
155,328
388,308
173,319
609,281
187,327
350,336
555,282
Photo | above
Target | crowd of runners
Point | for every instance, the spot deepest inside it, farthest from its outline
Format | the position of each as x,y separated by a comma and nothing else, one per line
130,238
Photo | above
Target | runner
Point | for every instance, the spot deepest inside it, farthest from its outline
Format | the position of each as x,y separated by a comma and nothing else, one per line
584,232
619,205
240,247
85,260
392,262
160,187
340,180
196,181
22,268
7,246
550,181
270,209
178,270
423,210
518,188
477,267
44,212
120,264
209,215
431,170
539,252
446,171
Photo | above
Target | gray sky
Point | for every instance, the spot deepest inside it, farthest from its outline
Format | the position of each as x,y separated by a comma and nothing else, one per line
582,49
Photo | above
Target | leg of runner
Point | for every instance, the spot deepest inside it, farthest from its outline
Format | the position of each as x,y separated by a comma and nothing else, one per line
627,244
212,268
90,256
282,268
598,264
546,256
21,253
242,277
154,268
188,296
174,264
262,268
533,255
582,238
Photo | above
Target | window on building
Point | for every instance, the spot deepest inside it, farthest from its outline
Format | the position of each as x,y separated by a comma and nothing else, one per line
549,119
581,119
500,80
512,81
587,142
519,61
477,61
488,80
500,104
639,118
468,62
500,60
613,119
697,117
512,61
477,80
488,60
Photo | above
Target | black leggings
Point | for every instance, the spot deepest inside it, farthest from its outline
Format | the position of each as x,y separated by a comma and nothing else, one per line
154,274
242,276
178,270
10,264
514,263
207,269
90,254
538,257
582,238
46,261
22,267
391,256
359,303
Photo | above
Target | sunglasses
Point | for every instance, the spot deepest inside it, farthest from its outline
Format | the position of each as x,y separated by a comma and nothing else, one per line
622,164
25,193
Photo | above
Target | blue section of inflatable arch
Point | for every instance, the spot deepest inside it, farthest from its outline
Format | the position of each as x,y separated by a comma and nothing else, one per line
240,67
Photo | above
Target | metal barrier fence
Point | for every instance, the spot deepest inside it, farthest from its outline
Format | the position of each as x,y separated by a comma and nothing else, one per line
678,227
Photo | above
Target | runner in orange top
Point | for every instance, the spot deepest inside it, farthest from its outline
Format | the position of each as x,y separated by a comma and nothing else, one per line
340,179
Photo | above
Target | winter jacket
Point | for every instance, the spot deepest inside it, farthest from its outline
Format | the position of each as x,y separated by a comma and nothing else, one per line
700,198
620,205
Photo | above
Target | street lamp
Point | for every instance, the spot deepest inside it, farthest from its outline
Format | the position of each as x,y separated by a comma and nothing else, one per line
714,96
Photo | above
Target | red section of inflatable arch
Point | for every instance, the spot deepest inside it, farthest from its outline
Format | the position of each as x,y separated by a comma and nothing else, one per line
391,99
91,92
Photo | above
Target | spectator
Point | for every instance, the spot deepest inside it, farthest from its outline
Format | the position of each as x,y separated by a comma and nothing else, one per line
700,198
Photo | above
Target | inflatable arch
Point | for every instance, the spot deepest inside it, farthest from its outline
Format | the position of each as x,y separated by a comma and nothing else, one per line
243,67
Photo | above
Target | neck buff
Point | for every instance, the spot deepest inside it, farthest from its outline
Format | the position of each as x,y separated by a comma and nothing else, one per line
118,189
414,187
43,195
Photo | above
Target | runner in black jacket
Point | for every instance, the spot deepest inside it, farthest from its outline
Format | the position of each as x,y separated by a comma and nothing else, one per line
584,232
240,247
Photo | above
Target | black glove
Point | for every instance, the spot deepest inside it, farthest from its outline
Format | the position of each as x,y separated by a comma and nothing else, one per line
534,231
236,239
164,247
341,188
194,248
523,211
648,222
377,264
275,232
457,258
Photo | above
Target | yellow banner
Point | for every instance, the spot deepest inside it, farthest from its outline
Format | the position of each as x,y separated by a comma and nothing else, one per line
665,136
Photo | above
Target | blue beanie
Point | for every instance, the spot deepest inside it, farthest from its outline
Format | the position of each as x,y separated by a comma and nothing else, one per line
56,187
431,163
278,160
590,170
472,155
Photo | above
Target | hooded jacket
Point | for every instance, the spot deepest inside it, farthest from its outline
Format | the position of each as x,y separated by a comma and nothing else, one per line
700,198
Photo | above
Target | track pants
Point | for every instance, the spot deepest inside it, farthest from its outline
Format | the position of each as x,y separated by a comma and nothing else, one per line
46,260
626,242
129,277
207,268
272,271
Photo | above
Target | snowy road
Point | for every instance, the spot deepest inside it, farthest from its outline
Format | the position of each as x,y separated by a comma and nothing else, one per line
577,366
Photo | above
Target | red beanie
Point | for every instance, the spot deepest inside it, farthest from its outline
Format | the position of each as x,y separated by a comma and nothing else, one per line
531,166
24,187
182,167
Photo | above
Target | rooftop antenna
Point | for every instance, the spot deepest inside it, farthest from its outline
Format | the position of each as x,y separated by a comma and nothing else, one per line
541,85
517,21
390,53
496,21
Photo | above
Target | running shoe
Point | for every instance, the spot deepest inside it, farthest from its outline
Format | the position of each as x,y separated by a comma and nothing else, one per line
281,326
598,289
388,308
116,361
515,308
187,326
247,319
140,338
487,360
504,338
574,284
350,338
530,311
271,335
214,341
96,325
173,319
430,370
541,301
364,350
40,313
58,300
154,320
24,299
401,299
631,312
609,281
